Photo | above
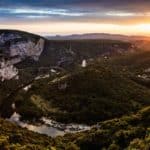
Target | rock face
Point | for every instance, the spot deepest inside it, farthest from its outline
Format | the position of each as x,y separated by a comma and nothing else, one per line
7,71
27,49
15,47
4,37
84,63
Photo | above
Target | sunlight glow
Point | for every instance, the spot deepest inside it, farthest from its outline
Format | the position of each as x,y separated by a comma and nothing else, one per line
70,28
121,14
144,27
128,14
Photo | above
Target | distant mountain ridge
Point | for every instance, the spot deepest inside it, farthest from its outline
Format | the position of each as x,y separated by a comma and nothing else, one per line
98,36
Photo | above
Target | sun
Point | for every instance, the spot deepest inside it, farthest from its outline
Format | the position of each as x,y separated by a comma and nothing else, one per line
144,27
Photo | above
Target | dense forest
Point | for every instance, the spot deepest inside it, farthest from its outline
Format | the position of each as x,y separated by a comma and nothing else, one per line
95,93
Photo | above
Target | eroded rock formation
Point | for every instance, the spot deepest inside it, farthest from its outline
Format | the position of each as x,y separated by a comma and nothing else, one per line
15,48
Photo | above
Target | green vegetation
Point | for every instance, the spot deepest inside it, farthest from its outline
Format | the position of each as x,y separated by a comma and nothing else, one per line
13,137
87,95
78,50
128,132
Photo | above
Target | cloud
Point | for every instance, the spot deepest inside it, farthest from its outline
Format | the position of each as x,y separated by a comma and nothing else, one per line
129,5
117,12
32,14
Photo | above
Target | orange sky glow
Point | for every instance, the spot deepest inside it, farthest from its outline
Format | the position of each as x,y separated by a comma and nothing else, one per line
74,27
51,17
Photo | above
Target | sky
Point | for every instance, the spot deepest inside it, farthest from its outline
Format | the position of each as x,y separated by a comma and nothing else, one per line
51,17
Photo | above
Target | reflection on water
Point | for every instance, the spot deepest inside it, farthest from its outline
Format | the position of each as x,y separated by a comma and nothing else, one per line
50,127
43,129
66,127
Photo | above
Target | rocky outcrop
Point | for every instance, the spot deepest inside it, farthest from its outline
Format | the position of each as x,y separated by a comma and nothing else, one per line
27,49
7,71
4,37
16,47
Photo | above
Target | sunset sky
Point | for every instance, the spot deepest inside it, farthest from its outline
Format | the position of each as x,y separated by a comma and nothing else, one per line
50,17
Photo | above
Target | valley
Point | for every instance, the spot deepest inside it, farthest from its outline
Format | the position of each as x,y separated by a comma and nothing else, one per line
74,94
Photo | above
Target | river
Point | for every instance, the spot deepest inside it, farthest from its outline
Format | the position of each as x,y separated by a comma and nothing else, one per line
48,127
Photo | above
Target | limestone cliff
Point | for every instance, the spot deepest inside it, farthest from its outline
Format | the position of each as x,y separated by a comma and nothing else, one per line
16,47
